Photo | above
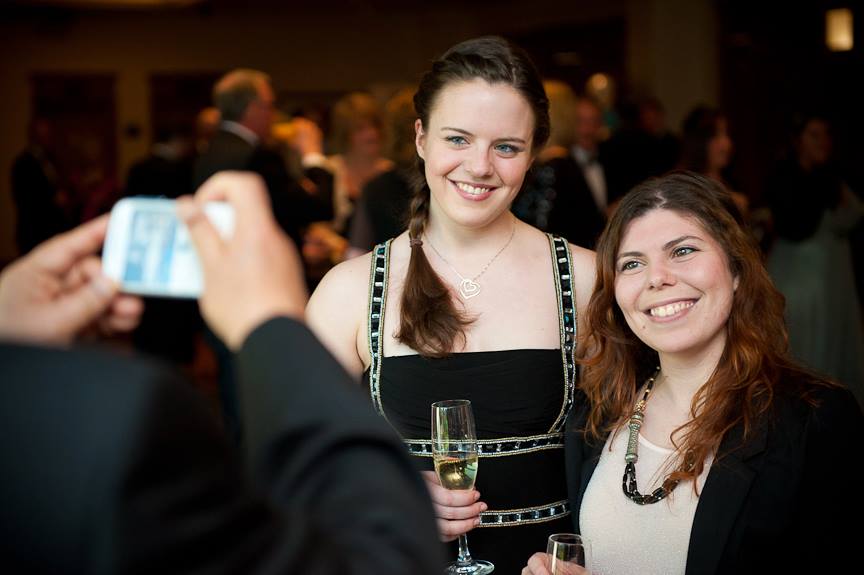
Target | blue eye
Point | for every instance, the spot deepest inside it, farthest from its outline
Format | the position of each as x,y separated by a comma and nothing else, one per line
629,265
508,149
457,140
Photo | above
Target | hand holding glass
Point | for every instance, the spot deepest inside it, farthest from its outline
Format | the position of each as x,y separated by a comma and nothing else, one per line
454,451
567,554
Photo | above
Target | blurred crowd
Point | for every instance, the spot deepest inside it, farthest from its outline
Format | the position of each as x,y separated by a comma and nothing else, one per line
339,194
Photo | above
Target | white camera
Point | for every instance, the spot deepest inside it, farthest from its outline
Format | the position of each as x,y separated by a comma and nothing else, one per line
148,250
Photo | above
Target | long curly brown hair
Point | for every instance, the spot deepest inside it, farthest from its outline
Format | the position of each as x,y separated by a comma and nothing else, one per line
744,384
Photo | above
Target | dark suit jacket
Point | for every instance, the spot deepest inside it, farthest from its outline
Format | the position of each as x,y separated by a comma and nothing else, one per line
293,207
787,501
111,465
556,199
158,176
575,214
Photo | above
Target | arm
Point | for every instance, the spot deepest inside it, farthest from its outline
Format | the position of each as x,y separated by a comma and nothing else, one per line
187,505
353,501
584,274
336,313
316,446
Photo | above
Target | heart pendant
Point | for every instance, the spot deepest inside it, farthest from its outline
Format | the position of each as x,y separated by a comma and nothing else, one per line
469,288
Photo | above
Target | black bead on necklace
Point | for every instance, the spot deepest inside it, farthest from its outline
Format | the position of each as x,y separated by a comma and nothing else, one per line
632,455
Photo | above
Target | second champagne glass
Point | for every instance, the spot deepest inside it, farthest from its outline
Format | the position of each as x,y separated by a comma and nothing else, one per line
454,450
567,554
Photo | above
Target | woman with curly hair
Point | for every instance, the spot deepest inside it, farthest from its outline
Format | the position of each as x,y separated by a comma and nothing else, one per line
733,458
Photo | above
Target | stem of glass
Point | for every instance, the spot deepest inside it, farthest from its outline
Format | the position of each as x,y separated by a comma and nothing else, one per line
464,555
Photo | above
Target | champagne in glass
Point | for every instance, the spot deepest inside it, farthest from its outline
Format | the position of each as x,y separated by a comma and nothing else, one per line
454,451
456,470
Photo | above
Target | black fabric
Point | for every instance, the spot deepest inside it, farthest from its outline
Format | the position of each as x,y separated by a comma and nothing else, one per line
386,200
798,198
513,393
633,155
115,466
160,177
784,501
557,199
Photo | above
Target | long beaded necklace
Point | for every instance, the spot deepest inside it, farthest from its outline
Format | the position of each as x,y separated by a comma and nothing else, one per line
468,287
632,455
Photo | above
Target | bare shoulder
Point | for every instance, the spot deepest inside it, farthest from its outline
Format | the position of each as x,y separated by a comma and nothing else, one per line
584,272
336,310
350,277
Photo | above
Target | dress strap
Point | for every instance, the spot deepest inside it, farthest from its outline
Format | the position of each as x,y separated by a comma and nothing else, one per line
563,265
378,277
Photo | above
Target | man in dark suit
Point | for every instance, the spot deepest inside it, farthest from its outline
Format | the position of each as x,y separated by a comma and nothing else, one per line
245,102
113,466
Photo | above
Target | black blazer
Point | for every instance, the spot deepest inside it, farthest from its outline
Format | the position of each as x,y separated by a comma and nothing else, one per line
293,207
575,214
112,465
787,501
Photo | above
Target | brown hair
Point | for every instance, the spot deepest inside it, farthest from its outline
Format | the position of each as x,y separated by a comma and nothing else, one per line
743,385
430,322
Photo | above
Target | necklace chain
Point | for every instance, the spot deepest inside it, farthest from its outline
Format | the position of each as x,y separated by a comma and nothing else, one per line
468,287
632,454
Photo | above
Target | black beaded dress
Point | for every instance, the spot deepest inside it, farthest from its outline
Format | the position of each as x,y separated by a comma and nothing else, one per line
520,397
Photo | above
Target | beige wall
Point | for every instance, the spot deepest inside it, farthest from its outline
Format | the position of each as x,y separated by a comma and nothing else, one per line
317,51
673,53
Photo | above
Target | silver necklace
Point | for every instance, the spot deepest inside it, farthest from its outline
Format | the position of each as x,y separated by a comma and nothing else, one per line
468,287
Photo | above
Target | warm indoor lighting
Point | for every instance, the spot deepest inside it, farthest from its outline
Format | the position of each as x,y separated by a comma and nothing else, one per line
838,30
598,82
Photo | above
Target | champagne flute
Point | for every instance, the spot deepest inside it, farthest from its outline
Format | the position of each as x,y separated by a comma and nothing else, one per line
567,554
454,451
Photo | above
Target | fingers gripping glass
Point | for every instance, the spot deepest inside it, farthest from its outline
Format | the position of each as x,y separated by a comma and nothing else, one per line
454,451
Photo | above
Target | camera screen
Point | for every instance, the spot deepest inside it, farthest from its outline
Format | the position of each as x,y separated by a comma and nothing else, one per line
160,256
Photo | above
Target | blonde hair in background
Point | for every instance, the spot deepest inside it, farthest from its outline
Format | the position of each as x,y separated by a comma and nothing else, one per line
399,116
348,113
562,113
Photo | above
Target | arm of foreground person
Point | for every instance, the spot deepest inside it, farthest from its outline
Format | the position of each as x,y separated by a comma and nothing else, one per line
319,450
353,499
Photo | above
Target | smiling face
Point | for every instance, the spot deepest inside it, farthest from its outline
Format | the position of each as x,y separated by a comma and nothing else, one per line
476,148
673,285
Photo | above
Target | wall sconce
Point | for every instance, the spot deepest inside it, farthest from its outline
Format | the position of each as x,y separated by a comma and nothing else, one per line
838,30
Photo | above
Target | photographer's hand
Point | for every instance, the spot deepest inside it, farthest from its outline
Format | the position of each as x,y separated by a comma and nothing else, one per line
55,292
253,276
